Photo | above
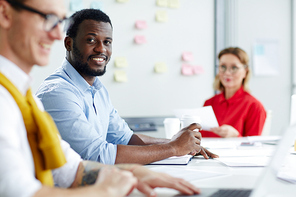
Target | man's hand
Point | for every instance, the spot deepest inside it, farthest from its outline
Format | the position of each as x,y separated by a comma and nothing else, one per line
207,154
115,182
225,131
187,140
148,180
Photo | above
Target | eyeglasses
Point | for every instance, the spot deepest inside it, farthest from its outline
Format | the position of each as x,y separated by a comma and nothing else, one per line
51,20
232,69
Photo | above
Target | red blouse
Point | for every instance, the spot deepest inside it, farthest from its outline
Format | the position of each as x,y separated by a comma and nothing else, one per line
242,111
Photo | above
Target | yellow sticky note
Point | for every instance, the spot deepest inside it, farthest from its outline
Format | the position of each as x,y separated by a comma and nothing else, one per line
121,62
174,3
162,3
161,16
122,1
120,76
160,67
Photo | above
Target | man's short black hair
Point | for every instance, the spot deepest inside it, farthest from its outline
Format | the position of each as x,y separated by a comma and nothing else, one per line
85,14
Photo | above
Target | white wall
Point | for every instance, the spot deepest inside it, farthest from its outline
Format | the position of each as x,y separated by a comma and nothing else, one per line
189,28
269,19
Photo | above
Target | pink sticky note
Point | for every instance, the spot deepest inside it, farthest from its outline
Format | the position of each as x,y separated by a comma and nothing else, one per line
198,70
187,69
140,39
187,56
141,24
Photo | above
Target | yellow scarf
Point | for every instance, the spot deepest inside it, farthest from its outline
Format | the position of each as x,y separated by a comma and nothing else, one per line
41,132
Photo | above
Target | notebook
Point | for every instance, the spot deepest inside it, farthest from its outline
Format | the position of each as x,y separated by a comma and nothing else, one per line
269,174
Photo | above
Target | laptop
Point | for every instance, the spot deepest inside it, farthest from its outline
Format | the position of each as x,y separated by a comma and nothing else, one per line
268,178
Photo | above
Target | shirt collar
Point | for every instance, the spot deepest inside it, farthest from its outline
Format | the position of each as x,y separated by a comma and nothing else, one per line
237,95
78,80
21,80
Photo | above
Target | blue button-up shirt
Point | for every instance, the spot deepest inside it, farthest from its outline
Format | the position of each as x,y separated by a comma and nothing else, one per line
84,114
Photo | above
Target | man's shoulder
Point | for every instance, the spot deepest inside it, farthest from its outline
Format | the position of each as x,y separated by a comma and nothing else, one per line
57,83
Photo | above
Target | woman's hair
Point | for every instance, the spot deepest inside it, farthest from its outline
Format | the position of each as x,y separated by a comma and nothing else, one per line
244,59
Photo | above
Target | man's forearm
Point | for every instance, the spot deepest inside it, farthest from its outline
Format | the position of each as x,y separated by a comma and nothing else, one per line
140,139
143,154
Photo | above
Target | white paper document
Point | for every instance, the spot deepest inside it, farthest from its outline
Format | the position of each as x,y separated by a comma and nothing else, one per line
263,138
255,152
218,144
244,161
175,160
288,170
266,57
206,114
187,174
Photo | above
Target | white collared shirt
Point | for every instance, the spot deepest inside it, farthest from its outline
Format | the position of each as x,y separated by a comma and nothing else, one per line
17,174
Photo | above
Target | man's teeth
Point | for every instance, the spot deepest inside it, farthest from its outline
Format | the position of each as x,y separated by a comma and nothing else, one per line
46,46
98,59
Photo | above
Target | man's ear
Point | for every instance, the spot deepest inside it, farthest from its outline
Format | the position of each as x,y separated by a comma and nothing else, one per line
68,42
5,14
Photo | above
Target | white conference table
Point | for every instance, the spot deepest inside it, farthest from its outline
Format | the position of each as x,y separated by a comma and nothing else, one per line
234,177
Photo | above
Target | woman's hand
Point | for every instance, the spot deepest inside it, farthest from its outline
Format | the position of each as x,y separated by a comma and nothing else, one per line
225,131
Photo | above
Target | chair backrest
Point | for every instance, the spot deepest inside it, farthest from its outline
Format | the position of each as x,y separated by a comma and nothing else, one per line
267,124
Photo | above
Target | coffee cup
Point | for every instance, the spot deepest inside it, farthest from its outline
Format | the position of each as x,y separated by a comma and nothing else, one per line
187,120
172,126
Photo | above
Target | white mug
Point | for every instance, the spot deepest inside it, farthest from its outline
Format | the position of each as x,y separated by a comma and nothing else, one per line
172,126
187,120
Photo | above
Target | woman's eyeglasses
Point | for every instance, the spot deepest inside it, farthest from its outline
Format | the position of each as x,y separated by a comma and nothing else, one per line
232,69
50,20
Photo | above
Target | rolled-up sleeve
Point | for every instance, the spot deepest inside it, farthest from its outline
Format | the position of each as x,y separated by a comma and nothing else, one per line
85,123
65,175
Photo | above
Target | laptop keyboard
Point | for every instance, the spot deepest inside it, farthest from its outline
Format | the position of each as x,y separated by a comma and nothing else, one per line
232,193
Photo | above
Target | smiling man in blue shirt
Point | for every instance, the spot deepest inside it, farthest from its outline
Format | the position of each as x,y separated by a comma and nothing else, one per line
82,110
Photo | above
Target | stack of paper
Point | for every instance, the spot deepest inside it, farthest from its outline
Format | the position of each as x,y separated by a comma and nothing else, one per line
288,170
244,161
189,174
175,160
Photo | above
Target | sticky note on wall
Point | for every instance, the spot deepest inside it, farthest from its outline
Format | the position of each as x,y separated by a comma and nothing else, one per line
187,56
140,39
187,70
120,76
198,70
122,1
96,5
161,16
76,5
162,3
140,24
121,62
259,49
174,3
160,67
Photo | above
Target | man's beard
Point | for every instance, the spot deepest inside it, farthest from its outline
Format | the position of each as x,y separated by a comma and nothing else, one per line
83,68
